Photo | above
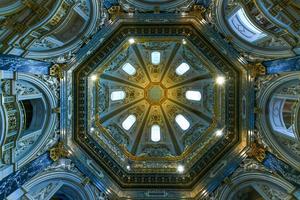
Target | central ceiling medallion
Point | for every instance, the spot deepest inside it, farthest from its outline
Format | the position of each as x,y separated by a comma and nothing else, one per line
156,93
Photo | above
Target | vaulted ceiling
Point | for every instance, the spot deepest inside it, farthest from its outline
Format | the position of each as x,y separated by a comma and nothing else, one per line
161,105
158,99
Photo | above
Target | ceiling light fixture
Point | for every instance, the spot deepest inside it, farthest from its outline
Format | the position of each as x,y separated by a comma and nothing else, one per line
220,80
94,77
180,168
131,41
219,133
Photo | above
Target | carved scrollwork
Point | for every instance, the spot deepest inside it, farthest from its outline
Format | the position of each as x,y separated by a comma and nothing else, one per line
58,151
257,151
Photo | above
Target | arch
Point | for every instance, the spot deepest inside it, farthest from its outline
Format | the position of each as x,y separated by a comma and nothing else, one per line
59,47
9,7
265,123
33,120
272,45
280,116
253,180
47,126
59,180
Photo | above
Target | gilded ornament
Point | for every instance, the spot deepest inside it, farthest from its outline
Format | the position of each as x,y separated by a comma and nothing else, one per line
229,38
56,70
257,151
114,12
58,151
198,10
257,69
56,110
86,181
257,110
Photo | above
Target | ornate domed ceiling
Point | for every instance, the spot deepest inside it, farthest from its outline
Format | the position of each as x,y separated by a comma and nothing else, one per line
156,98
159,104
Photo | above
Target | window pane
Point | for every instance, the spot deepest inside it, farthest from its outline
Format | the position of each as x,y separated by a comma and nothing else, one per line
280,113
243,26
182,69
182,122
129,69
117,95
193,95
155,57
155,133
128,122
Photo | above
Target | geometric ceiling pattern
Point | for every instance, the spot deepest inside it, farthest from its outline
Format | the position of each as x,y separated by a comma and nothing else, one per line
141,98
151,103
157,107
156,99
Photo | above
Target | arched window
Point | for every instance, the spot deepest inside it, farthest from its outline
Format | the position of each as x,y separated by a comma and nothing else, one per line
193,95
117,95
129,69
33,120
155,133
243,26
128,122
155,57
281,115
182,69
183,123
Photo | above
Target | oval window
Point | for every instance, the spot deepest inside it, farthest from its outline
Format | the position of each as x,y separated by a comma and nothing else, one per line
117,95
155,133
183,123
182,69
128,122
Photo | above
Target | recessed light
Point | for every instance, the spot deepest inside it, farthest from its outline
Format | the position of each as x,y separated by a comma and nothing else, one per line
220,80
128,167
219,133
94,77
131,40
180,168
183,41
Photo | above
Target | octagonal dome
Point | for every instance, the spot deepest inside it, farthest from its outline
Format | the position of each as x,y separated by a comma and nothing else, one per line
154,95
159,104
